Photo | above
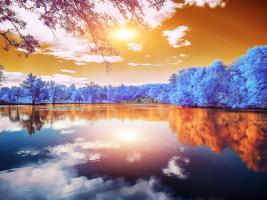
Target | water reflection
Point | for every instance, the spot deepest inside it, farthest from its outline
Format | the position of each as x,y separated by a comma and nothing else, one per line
131,152
243,132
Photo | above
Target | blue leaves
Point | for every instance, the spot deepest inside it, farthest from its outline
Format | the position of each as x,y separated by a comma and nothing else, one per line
243,84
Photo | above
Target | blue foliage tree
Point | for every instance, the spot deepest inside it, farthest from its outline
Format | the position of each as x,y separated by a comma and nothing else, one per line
243,84
1,73
33,87
251,70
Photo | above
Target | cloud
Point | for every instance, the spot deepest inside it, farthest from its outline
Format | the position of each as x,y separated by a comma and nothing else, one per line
80,57
13,78
174,167
202,3
135,46
183,55
154,17
143,64
16,78
175,37
67,46
80,63
66,79
177,62
62,44
68,71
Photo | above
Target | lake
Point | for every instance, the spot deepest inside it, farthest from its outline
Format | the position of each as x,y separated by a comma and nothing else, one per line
132,152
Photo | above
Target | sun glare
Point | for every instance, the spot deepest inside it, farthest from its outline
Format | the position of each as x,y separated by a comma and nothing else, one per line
124,34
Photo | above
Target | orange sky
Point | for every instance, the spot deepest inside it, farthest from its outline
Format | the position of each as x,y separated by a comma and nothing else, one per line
219,33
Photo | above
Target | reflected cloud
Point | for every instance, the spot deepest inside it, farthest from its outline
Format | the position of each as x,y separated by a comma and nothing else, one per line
81,151
175,167
243,132
9,126
134,157
90,167
28,152
66,123
82,143
78,152
38,182
67,131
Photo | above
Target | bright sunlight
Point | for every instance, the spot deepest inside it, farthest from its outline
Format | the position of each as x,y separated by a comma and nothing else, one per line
124,34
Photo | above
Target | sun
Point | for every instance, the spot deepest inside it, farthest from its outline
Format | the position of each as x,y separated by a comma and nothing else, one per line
124,33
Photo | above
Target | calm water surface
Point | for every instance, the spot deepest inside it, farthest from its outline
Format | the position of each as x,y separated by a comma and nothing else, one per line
131,152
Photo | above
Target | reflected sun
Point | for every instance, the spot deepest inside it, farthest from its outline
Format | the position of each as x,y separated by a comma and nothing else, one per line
127,135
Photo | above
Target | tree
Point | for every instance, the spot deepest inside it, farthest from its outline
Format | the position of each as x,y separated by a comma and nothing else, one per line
212,87
172,79
251,69
56,92
60,93
16,93
76,16
70,93
1,74
44,96
182,95
33,87
243,84
5,94
78,97
160,92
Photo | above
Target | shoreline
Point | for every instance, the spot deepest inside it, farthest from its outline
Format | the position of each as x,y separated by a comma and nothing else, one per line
145,104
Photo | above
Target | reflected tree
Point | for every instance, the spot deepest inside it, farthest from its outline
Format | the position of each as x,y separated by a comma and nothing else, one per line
34,122
243,132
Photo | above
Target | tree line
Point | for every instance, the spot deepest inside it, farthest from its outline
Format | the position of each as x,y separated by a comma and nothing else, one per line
242,84
34,90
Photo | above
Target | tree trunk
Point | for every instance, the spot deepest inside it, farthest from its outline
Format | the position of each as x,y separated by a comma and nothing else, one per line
33,100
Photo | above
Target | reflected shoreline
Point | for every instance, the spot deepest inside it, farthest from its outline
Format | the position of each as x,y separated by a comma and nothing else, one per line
224,109
244,132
